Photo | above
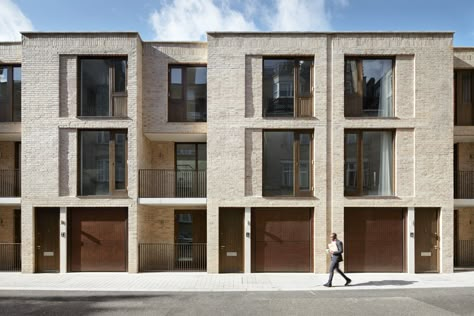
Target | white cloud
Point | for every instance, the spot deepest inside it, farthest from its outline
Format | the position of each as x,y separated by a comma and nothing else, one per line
12,21
191,19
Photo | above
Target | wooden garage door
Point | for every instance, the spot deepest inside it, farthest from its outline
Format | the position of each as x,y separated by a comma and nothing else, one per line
282,240
373,239
98,239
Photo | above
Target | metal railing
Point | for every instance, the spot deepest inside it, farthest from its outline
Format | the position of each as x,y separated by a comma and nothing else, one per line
154,257
10,183
172,183
464,185
10,257
464,253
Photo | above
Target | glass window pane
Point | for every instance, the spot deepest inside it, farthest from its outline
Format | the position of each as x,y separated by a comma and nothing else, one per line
120,160
466,87
350,164
278,87
16,94
95,162
202,157
4,95
196,93
368,87
377,163
185,169
120,67
94,87
304,166
304,78
278,164
176,86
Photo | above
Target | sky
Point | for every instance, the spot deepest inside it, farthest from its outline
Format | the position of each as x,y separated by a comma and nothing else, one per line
188,20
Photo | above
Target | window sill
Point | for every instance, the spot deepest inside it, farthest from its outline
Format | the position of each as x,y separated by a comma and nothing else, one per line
357,118
282,118
290,197
101,197
372,197
103,117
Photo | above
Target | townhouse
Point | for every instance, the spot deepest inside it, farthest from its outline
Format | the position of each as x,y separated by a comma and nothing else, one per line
236,155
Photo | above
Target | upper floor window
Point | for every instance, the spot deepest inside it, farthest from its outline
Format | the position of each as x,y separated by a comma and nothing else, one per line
287,163
287,87
187,93
368,87
368,162
10,93
103,162
103,87
463,97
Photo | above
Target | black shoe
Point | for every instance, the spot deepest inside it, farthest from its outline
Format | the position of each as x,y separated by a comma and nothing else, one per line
327,285
348,282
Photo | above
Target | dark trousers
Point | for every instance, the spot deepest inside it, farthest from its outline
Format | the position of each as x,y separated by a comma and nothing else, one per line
335,266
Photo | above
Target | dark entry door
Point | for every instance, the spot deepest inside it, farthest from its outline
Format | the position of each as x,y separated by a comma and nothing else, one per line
231,240
281,240
426,240
98,239
47,240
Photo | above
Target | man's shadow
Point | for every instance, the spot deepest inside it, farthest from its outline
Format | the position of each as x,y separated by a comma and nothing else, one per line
385,282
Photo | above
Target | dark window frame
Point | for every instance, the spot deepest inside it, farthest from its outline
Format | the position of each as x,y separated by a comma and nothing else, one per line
393,58
10,86
296,146
113,192
360,166
182,102
296,110
459,97
112,92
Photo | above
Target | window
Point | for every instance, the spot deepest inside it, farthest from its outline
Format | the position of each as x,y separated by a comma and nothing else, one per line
191,165
10,93
368,87
187,93
103,162
103,87
287,163
463,90
287,87
368,163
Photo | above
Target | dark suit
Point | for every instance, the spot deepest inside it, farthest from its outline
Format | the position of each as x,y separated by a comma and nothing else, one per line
336,257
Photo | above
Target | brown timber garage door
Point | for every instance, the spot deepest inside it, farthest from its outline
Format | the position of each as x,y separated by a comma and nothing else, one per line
282,240
373,239
98,239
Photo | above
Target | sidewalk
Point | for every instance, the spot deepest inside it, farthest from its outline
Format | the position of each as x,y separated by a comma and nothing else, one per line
203,282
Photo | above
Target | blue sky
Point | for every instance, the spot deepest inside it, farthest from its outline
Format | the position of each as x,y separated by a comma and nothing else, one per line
189,19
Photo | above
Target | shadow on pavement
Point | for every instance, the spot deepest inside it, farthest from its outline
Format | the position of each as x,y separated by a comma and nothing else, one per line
384,282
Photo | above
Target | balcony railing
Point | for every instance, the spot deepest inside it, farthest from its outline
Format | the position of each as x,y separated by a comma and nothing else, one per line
10,183
464,253
156,183
464,185
10,257
172,257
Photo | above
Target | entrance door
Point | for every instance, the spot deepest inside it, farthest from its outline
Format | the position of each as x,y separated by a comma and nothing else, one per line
47,240
426,240
231,240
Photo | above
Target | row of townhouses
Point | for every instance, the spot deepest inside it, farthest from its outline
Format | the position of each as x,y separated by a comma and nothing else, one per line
236,155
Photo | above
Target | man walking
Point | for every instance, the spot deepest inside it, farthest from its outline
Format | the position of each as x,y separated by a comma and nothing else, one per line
336,257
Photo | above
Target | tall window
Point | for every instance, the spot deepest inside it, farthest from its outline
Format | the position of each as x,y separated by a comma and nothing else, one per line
191,165
287,163
10,93
368,163
103,87
287,87
368,87
187,93
103,162
463,97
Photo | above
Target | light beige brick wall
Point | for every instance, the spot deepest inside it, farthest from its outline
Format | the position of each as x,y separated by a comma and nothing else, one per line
423,123
463,58
50,124
156,59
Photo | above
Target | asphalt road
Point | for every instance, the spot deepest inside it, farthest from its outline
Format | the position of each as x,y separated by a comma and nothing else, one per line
452,301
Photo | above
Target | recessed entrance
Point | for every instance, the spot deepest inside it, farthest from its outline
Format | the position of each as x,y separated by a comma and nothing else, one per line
47,239
426,240
231,240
